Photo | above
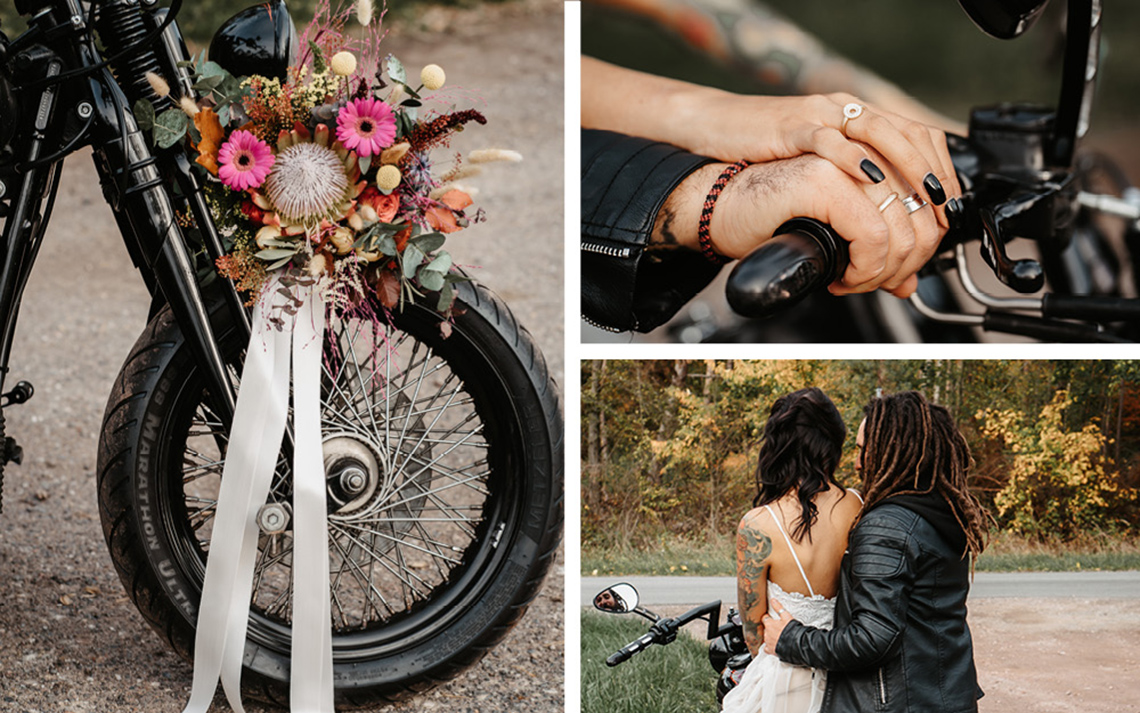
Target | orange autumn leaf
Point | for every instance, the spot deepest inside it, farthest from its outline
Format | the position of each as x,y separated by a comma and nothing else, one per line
212,134
443,218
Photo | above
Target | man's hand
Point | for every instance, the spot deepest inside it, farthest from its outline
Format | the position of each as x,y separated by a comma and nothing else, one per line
887,247
774,623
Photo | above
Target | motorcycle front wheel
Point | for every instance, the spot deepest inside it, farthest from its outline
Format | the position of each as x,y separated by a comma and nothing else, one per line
443,458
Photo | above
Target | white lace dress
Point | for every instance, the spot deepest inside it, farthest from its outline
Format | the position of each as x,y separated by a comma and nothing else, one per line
771,686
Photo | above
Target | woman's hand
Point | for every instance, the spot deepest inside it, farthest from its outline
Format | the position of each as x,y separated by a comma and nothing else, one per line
887,247
837,127
761,129
774,623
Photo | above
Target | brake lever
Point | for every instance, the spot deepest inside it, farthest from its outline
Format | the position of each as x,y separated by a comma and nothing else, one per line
1023,275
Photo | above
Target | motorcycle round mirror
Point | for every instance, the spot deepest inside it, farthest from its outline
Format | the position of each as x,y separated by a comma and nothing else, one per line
1003,19
619,599
258,40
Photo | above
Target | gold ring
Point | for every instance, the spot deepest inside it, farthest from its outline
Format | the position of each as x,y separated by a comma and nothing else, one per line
850,111
890,199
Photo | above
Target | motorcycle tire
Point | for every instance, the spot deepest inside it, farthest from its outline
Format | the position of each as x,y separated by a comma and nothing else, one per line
431,561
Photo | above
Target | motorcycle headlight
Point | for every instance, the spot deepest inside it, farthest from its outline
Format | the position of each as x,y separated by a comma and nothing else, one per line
258,40
1003,19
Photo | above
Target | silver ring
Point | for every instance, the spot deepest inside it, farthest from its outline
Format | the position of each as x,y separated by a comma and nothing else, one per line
890,199
913,203
850,111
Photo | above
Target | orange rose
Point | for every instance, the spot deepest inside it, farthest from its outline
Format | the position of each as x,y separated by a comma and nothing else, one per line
386,206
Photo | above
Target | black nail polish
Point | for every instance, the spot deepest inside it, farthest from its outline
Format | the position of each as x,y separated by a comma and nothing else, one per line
873,172
954,212
934,189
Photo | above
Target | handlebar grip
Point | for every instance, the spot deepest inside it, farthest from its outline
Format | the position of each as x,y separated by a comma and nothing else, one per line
805,255
630,649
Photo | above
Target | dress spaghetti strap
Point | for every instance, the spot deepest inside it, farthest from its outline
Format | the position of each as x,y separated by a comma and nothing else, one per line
793,549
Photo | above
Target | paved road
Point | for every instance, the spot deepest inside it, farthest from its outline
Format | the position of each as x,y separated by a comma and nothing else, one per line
664,591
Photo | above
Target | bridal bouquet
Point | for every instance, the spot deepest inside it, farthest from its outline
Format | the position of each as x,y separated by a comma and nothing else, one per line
327,173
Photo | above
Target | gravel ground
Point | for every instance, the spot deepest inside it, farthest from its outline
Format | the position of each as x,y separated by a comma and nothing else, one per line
70,640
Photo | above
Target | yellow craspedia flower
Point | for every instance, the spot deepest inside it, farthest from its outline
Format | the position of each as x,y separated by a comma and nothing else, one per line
387,177
433,77
343,64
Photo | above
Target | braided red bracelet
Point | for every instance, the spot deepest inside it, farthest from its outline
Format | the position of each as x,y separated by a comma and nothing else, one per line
706,213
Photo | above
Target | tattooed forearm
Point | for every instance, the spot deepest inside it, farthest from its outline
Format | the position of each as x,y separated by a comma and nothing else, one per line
753,548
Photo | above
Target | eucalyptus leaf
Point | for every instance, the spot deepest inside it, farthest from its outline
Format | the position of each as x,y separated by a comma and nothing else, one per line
279,264
276,253
387,245
454,277
144,114
364,163
429,242
396,70
213,69
169,127
431,280
412,259
441,264
446,295
274,243
411,103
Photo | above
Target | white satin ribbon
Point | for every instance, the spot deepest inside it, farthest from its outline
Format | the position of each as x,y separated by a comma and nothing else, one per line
251,458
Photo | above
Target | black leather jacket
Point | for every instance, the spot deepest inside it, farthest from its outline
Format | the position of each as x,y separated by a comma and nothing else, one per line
625,181
900,642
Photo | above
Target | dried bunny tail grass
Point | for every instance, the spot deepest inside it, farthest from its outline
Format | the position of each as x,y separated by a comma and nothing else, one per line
492,155
189,106
364,12
438,193
158,84
461,172
393,154
397,95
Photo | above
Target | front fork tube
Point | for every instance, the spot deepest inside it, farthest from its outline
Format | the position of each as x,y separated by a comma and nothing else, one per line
24,228
135,190
204,219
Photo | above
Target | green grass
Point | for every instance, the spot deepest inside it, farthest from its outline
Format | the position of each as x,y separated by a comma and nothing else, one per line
1006,553
676,558
676,678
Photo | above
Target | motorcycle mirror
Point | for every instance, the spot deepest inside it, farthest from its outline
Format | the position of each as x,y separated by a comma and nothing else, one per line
1003,19
619,599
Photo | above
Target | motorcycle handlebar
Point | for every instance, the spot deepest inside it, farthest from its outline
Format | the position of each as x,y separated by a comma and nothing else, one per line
630,649
805,255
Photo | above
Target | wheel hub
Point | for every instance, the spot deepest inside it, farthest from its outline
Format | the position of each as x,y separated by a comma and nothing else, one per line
353,470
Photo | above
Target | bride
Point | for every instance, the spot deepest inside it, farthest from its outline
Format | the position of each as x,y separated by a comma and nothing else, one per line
789,547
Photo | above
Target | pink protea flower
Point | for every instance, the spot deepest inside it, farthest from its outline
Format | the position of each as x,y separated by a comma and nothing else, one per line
366,126
244,161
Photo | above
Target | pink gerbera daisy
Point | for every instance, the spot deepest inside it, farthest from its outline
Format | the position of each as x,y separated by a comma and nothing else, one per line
244,161
366,126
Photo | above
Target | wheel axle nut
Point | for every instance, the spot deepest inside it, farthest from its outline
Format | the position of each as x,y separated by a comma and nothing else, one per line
272,518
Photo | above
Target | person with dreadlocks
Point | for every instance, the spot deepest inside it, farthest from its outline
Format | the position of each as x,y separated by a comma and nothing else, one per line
790,545
900,641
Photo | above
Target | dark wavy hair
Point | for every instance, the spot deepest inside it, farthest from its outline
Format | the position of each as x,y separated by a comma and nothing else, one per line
803,442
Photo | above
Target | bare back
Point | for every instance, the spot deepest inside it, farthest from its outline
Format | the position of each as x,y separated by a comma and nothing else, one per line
765,549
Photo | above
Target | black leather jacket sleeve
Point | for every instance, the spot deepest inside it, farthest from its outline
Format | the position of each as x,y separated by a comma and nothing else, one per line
882,570
625,181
